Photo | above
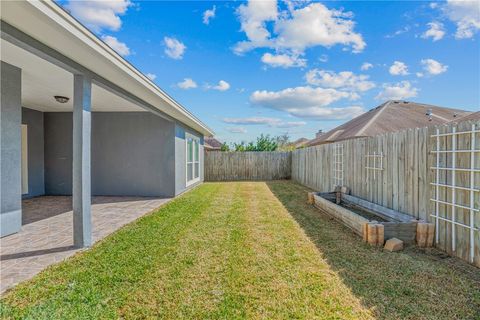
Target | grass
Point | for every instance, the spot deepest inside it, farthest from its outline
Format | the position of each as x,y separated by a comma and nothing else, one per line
412,284
245,250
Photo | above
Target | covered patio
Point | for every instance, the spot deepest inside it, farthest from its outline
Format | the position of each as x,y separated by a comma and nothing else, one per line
81,157
46,234
89,143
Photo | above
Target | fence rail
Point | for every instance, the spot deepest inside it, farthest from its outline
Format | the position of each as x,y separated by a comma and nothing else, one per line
230,166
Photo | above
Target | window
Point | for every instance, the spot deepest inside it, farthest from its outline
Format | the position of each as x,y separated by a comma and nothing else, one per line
193,159
24,159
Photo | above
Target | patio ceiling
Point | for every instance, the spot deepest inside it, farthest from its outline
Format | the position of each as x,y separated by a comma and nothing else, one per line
42,80
43,27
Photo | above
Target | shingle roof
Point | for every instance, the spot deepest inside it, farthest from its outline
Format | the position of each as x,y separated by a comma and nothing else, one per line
393,115
471,116
300,142
211,143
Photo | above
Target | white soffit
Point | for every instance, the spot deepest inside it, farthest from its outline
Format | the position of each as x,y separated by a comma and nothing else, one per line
42,80
46,22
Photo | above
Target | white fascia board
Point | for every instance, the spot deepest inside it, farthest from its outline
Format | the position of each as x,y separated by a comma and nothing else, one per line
48,23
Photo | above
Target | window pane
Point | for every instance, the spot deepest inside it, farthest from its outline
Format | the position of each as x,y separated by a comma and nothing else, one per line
196,150
196,169
189,150
189,171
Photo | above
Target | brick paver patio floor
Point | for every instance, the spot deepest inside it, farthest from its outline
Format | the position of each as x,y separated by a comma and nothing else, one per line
47,232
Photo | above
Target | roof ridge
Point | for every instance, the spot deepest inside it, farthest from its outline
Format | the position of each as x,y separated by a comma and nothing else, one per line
369,123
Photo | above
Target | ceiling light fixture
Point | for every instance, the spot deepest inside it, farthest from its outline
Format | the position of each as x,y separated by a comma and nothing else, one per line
61,99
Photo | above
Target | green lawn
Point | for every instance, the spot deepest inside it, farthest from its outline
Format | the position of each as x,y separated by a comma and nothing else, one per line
245,250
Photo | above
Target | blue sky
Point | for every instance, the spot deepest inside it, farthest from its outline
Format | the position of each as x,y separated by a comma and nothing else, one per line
246,68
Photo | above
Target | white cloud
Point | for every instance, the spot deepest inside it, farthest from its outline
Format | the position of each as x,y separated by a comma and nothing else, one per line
466,15
329,113
316,25
174,48
398,68
99,14
433,67
236,129
292,97
253,18
405,29
209,14
365,66
120,47
283,60
398,91
342,80
435,31
251,120
291,124
296,29
323,58
271,122
306,102
187,83
221,86
151,76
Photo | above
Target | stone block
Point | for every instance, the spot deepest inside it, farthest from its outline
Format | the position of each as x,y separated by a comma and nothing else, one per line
393,245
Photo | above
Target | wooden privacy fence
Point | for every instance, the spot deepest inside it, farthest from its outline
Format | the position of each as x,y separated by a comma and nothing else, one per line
431,173
229,166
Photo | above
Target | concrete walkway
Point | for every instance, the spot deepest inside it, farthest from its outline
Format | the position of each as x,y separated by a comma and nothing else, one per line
47,232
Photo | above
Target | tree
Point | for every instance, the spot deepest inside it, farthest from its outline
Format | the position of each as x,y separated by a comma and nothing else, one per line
283,142
263,143
224,147
266,143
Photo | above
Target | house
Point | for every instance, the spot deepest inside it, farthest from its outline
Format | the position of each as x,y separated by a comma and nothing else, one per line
393,115
300,143
77,119
212,144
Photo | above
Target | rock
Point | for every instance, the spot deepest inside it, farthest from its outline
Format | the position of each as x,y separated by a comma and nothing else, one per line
393,245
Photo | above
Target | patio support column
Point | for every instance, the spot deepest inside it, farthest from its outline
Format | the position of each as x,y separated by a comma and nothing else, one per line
11,154
81,188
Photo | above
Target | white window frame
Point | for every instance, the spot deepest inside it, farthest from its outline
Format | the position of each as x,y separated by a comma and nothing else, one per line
194,161
24,163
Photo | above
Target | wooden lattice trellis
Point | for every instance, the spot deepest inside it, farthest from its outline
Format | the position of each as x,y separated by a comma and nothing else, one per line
374,163
454,187
337,165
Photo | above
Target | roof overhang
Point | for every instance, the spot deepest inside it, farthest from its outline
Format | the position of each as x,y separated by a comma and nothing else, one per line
52,26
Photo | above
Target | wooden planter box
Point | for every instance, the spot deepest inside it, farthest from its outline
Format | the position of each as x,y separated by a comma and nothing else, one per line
396,225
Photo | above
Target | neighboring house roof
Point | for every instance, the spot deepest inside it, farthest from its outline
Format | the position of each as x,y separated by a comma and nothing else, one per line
48,23
211,143
300,142
393,115
471,116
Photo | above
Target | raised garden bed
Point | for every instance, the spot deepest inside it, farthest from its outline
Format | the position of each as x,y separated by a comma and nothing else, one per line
357,213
